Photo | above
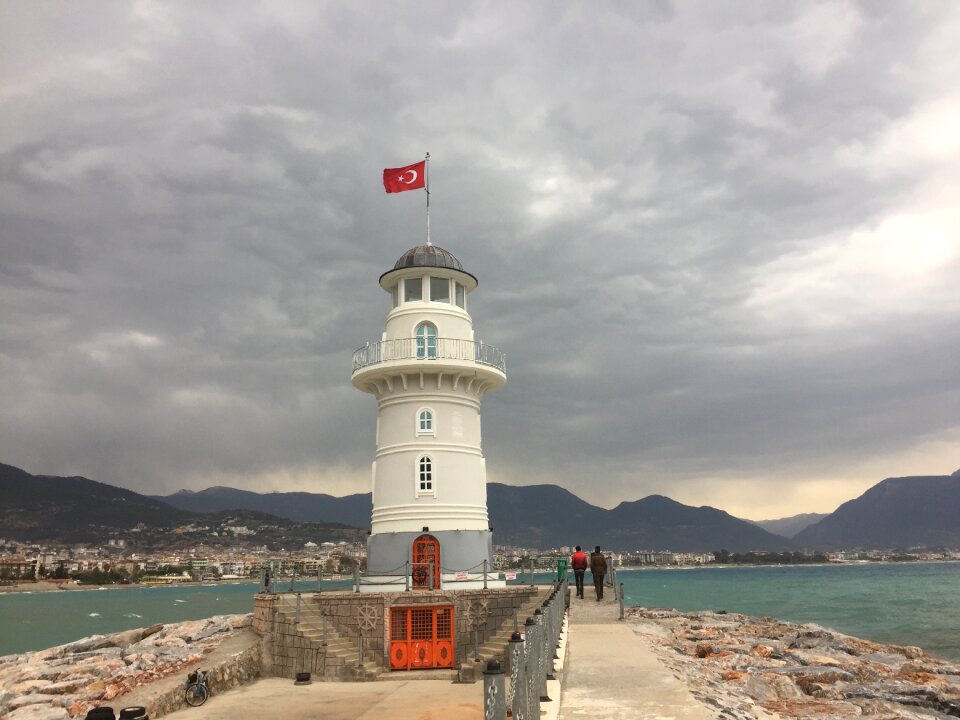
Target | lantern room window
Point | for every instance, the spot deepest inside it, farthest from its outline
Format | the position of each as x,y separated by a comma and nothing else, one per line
439,289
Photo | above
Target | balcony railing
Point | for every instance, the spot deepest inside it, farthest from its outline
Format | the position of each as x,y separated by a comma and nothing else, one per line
428,349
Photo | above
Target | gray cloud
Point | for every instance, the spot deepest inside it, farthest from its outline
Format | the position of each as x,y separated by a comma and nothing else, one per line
718,242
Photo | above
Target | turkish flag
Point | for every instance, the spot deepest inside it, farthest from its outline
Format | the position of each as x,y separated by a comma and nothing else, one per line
411,177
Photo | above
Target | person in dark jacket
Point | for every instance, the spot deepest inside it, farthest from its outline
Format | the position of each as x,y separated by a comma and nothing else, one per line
598,568
579,564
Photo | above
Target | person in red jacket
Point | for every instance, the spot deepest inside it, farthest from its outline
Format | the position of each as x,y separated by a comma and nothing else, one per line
579,563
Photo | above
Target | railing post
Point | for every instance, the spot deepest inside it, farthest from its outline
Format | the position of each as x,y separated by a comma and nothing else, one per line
297,621
542,641
531,571
494,700
621,601
356,578
484,574
531,666
319,579
517,697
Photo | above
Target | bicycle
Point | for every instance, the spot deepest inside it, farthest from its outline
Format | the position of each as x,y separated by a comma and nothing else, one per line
197,690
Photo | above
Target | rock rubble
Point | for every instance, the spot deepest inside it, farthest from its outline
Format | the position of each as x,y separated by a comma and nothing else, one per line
67,680
751,668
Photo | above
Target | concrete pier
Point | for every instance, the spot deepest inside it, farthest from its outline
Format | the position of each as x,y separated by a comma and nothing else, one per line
607,671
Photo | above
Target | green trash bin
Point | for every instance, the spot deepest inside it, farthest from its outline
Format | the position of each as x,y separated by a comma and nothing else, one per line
561,568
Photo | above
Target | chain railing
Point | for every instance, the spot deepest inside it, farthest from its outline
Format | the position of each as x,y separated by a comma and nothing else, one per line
531,662
403,575
428,349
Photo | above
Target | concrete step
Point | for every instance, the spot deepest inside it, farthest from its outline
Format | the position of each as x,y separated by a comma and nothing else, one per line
403,675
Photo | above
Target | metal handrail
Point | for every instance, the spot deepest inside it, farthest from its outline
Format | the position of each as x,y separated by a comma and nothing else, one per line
428,349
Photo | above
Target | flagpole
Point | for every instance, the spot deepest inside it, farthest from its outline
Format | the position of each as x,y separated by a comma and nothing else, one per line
426,173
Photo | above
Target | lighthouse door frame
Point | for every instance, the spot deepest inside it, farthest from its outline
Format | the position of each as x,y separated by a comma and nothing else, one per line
425,556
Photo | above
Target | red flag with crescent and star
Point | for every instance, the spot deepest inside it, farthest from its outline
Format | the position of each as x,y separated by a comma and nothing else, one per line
411,177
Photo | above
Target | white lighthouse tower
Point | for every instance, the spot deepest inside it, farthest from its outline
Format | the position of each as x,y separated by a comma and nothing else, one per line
429,374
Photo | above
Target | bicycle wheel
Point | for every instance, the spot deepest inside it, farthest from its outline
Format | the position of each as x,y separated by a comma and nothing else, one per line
196,695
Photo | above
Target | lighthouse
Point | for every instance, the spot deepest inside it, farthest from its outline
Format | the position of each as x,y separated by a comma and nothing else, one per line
429,375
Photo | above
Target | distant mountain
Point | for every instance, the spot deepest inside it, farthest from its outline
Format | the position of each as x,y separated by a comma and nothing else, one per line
43,508
33,506
657,522
537,516
351,510
789,526
897,513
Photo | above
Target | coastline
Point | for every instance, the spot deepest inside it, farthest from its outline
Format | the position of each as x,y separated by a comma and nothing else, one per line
734,666
751,667
142,666
48,586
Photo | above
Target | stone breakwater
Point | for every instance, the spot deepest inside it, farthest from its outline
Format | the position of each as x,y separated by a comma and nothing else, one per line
759,668
67,680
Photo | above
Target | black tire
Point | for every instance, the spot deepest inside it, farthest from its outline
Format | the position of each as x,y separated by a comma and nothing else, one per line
196,695
101,713
134,712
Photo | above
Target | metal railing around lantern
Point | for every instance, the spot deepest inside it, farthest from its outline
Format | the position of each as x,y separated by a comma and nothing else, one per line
428,349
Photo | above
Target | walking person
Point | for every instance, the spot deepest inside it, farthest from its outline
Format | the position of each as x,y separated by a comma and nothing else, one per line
579,564
598,568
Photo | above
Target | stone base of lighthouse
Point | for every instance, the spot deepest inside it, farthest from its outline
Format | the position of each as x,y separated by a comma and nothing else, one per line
461,562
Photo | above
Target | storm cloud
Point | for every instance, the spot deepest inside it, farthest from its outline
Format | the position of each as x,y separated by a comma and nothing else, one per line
719,242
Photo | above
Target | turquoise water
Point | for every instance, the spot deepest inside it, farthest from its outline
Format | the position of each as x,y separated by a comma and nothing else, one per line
902,603
33,621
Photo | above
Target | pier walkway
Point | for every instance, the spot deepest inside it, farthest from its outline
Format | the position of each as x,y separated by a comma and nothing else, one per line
607,672
611,673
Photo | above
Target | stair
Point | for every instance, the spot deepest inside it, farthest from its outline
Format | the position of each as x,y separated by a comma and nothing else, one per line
337,660
497,645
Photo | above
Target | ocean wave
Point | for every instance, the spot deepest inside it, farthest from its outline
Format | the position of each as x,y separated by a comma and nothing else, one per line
132,615
179,601
94,615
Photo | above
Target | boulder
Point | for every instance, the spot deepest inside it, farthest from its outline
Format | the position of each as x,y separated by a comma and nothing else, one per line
28,686
32,699
770,686
39,712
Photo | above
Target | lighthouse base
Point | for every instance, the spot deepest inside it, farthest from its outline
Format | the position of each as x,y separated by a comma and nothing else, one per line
460,550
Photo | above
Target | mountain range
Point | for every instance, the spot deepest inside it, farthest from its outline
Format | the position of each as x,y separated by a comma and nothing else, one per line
901,512
896,513
41,508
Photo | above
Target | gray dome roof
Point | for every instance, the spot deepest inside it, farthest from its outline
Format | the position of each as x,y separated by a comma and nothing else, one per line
428,256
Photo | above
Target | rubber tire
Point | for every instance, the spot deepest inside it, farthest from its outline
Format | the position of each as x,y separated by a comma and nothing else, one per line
135,712
196,695
101,713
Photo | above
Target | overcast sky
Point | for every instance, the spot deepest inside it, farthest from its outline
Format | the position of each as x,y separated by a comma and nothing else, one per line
719,242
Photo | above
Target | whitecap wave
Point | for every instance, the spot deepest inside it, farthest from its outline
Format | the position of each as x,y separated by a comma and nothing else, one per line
94,615
179,601
132,615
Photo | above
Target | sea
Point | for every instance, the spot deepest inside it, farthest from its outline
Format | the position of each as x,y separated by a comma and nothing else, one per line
900,603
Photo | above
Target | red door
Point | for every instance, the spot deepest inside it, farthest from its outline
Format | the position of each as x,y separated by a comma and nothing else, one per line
426,563
421,637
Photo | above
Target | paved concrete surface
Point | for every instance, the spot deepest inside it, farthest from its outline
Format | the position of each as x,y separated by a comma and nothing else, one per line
606,671
612,673
280,699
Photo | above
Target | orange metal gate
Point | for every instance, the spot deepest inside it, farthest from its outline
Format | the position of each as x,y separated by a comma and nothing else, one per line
421,637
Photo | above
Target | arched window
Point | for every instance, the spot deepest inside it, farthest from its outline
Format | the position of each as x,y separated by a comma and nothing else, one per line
425,422
426,341
425,475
